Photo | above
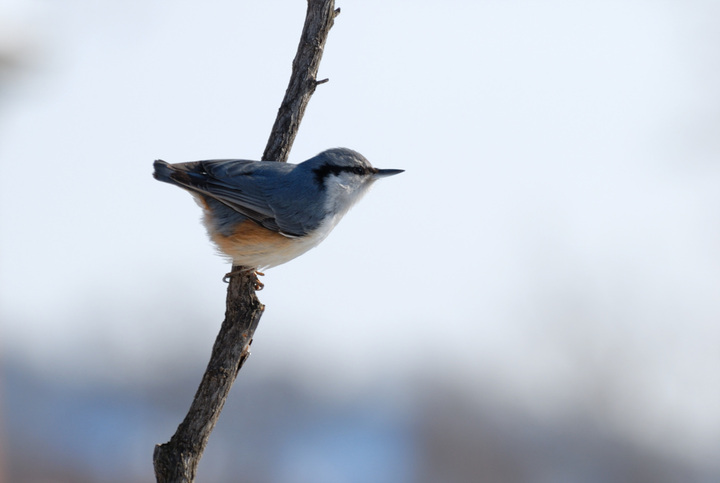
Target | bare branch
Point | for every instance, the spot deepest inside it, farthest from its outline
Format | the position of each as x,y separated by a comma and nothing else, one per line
318,22
176,461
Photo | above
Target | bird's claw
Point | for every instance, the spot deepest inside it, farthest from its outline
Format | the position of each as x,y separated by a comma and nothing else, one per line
257,284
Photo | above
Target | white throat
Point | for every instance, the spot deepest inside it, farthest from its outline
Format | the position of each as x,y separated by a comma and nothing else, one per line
343,192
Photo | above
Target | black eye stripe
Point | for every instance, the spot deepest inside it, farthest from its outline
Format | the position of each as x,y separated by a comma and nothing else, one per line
326,170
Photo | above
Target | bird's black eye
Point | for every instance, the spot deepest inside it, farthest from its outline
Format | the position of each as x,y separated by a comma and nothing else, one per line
358,170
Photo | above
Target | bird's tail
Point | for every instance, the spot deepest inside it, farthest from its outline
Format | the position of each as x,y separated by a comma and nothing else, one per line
163,171
190,176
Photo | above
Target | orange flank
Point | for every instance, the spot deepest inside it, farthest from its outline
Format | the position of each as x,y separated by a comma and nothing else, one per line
251,244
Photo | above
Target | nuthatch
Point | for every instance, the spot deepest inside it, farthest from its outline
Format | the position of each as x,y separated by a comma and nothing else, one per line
264,213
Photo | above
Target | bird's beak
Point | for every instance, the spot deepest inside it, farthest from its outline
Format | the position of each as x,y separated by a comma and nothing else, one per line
384,173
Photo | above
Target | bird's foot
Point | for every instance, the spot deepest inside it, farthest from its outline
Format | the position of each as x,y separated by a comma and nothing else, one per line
257,284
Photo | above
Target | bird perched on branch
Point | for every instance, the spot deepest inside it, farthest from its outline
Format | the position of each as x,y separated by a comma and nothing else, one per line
263,213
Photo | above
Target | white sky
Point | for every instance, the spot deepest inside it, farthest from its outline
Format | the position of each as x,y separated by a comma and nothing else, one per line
555,236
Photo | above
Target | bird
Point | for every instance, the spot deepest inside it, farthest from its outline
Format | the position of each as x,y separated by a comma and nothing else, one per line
261,214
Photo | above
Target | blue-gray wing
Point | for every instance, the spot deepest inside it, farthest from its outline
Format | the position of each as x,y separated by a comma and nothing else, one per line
264,191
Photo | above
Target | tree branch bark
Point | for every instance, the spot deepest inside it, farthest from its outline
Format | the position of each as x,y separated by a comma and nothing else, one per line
176,461
303,80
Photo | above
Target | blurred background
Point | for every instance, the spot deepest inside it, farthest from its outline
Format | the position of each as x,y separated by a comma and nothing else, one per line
536,299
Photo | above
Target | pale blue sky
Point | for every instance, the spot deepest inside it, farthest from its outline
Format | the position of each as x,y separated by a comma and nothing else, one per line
555,237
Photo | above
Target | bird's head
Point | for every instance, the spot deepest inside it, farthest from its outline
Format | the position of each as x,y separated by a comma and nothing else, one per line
344,176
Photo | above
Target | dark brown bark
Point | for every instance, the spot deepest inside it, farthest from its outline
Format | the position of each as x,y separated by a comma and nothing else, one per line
318,22
177,460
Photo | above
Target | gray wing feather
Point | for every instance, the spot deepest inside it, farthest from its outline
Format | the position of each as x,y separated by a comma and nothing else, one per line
260,190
